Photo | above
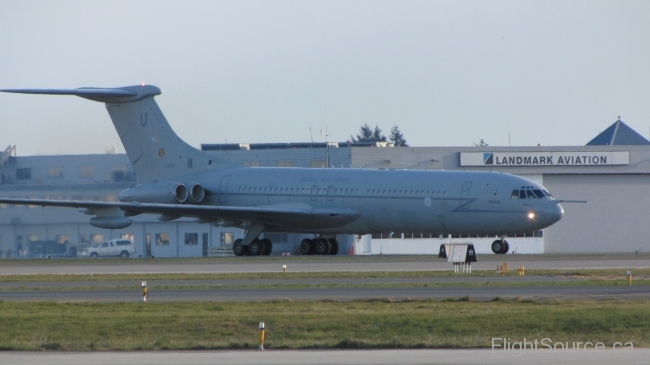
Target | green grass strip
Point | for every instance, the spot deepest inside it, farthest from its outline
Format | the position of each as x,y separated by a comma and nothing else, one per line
322,324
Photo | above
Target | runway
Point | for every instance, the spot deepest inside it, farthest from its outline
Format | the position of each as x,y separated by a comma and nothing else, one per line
298,264
343,294
341,357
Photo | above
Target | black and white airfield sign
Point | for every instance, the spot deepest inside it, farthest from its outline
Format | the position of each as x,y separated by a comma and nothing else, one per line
554,158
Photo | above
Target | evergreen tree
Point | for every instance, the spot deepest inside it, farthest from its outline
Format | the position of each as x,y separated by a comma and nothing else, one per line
365,134
397,137
377,136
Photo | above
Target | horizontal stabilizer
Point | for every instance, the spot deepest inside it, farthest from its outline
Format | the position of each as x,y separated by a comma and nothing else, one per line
106,95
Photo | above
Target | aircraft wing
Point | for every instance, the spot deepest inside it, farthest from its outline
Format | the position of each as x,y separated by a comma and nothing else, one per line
283,215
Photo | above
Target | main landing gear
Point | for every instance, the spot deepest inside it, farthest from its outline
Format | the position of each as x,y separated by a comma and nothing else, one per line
500,246
259,247
319,246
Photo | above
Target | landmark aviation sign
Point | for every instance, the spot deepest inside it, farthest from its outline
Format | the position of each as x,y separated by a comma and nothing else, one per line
555,158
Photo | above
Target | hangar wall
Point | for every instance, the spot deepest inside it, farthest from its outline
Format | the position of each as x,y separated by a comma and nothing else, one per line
614,219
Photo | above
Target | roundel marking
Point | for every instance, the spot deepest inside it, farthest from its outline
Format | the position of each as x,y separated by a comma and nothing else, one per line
161,152
427,202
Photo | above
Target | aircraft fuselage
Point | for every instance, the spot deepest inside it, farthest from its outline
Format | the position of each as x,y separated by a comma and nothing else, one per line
437,202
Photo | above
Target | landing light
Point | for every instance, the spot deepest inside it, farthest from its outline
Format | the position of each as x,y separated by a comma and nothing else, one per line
531,215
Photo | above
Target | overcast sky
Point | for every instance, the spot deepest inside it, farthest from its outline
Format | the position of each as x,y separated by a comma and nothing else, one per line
448,73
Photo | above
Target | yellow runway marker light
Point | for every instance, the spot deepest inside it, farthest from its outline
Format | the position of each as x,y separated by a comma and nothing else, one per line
145,291
262,333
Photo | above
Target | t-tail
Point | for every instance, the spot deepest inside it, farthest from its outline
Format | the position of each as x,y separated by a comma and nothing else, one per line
155,151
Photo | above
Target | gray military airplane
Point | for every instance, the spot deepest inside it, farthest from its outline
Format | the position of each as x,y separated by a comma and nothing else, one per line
175,180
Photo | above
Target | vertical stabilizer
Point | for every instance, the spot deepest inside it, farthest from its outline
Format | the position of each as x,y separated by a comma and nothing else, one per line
155,151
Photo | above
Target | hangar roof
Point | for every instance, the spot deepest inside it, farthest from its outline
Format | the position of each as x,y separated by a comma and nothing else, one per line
618,134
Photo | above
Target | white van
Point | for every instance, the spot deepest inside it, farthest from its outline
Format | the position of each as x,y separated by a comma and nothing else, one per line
118,247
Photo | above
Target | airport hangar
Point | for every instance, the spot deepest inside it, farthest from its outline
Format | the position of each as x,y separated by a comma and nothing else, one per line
612,172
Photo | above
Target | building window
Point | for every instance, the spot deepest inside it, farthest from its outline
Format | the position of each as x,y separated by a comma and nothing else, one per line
62,239
191,238
87,172
227,238
128,236
96,238
318,163
162,239
32,237
284,163
118,173
24,173
55,172
251,163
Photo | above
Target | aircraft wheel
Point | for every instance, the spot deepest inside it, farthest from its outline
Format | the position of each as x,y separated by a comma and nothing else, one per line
238,249
334,244
497,246
268,247
256,247
306,247
323,246
506,247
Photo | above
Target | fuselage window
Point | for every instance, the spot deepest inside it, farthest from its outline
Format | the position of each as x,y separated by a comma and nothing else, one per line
515,194
522,194
530,194
538,193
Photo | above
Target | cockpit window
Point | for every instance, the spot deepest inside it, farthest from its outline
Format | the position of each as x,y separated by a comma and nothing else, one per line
529,194
538,193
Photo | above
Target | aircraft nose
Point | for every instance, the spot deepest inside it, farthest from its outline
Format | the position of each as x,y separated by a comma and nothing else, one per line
554,213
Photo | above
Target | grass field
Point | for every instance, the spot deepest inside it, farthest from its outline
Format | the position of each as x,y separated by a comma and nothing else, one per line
324,324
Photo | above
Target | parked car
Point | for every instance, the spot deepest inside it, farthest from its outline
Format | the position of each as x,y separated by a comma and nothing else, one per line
118,247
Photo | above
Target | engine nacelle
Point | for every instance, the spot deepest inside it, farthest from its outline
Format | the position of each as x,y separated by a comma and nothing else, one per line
164,192
197,193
